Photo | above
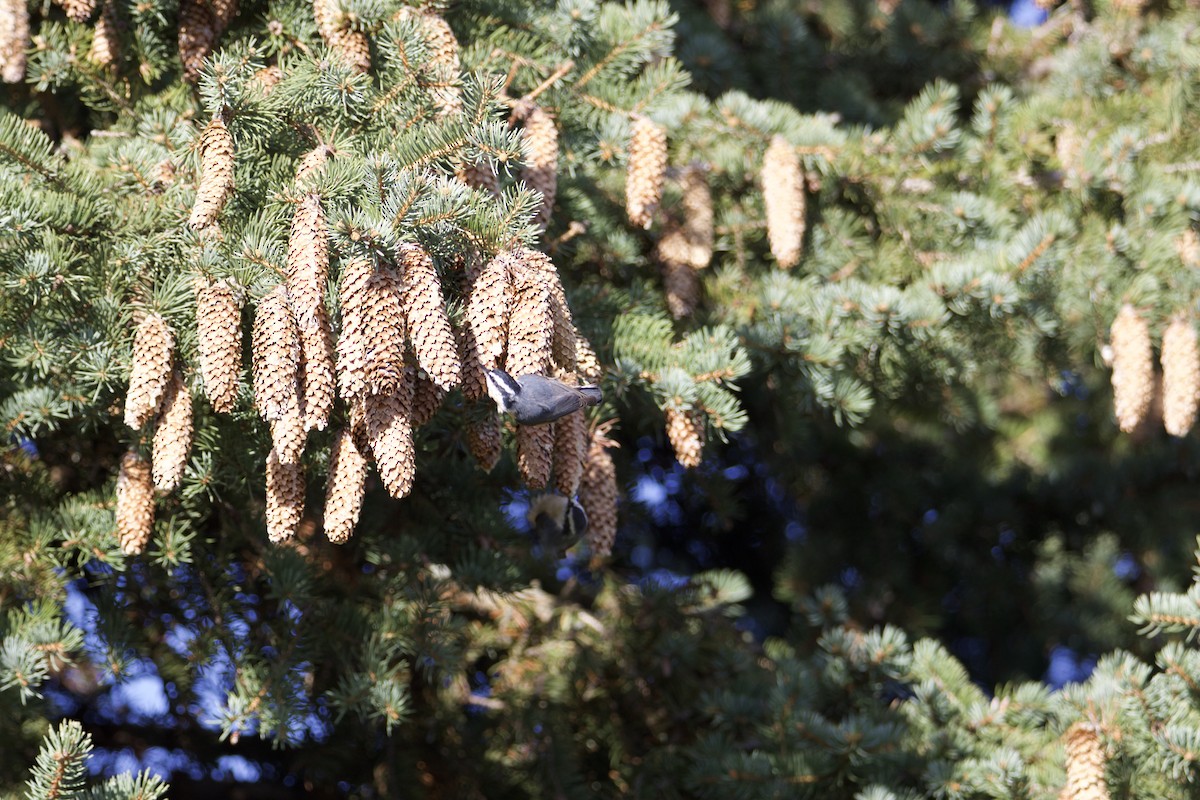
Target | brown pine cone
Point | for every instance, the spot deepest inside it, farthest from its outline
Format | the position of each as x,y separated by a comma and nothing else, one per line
345,488
647,166
783,196
1133,368
219,329
598,495
276,355
135,504
150,369
285,498
216,172
428,326
172,435
685,429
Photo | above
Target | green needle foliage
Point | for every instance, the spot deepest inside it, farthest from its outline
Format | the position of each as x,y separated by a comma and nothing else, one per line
913,489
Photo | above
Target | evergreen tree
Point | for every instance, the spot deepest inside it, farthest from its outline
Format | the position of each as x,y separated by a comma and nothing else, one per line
858,448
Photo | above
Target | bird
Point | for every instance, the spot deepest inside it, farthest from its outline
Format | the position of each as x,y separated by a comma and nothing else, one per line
536,399
557,522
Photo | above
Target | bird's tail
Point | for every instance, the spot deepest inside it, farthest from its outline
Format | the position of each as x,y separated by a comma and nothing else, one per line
592,394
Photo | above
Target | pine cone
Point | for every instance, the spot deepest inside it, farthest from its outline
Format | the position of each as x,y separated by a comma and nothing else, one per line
1133,368
268,78
539,148
197,35
488,310
783,196
480,175
385,331
14,40
598,496
317,380
1188,248
345,488
485,441
353,342
539,267
150,369
682,287
308,273
530,329
276,350
216,172
285,498
535,453
288,437
308,263
389,428
697,218
570,449
219,328
443,64
1085,764
350,45
312,161
172,435
223,12
427,396
647,166
1180,376
685,429
586,361
428,327
78,10
106,43
135,503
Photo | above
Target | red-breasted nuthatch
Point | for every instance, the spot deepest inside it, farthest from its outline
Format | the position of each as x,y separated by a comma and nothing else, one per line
536,399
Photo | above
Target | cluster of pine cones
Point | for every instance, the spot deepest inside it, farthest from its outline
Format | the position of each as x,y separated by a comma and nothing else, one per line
396,357
1134,383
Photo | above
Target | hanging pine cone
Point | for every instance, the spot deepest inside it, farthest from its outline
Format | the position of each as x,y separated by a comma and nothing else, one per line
78,10
490,305
480,175
223,12
275,343
308,262
385,331
783,196
485,440
389,428
443,63
586,361
1180,376
428,326
681,285
530,329
219,329
288,437
647,166
353,342
539,151
312,161
1188,248
106,43
172,435
317,380
598,496
535,454
285,498
268,78
697,218
150,369
570,449
135,503
14,40
1133,368
537,266
197,35
345,488
350,45
427,396
685,429
216,173
1085,764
